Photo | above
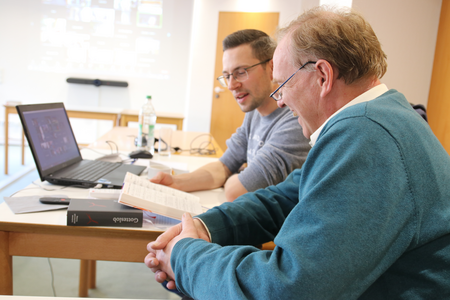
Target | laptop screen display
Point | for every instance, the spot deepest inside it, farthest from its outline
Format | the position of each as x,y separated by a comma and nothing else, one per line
52,137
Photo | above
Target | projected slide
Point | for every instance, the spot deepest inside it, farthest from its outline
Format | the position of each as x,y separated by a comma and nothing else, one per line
114,37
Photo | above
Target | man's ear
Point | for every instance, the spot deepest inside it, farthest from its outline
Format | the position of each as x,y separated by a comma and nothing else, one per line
270,64
326,76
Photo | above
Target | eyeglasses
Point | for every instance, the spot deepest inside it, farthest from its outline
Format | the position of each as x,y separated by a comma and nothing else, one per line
240,75
277,95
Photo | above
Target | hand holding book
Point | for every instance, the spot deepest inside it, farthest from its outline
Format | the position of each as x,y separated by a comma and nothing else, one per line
139,192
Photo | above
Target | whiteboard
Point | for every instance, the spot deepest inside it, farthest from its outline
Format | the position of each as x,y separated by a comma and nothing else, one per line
142,42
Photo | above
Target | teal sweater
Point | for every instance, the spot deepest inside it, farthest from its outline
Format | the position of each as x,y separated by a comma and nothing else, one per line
367,217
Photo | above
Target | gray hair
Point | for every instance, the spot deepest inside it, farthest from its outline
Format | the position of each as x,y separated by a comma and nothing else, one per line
340,36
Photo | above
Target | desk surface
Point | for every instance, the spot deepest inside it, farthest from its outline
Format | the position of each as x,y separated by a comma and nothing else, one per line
45,234
42,220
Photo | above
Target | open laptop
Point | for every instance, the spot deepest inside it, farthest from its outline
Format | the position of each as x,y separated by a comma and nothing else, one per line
56,154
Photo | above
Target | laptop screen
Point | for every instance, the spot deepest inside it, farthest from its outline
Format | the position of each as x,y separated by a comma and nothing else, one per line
51,137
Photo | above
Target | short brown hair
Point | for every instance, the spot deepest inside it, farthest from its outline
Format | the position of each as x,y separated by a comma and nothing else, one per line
263,46
340,36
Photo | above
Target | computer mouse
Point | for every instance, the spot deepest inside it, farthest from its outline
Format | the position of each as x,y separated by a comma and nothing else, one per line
140,154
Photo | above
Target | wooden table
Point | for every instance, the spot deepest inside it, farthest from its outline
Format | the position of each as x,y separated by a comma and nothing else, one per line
132,115
111,114
48,239
45,234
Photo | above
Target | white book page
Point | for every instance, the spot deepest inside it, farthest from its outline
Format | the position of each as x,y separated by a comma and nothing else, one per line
162,195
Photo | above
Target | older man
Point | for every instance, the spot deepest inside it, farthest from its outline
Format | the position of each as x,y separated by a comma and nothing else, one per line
268,141
368,214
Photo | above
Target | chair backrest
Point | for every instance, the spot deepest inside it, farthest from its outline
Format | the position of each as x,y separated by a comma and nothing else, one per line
421,110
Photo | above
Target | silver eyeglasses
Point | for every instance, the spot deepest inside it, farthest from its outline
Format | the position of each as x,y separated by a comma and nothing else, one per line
240,75
277,95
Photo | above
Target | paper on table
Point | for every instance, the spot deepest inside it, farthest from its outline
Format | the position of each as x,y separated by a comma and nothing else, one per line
20,205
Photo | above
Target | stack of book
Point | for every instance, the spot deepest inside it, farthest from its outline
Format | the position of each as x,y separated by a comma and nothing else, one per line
137,194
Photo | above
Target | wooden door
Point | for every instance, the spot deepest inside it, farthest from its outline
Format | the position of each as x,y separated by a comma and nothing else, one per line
226,115
438,107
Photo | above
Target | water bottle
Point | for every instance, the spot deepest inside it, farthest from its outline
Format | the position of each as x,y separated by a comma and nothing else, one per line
147,121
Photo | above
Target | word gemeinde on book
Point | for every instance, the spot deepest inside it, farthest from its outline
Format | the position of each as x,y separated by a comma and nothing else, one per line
139,192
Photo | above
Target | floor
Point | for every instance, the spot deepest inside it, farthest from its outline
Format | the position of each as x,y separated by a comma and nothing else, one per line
59,277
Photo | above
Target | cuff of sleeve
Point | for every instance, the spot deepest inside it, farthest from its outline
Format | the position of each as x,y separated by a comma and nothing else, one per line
176,261
206,227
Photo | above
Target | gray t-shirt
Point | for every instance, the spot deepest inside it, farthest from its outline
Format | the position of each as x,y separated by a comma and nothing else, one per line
272,146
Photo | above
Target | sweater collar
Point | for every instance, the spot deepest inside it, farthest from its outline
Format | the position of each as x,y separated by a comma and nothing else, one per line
371,94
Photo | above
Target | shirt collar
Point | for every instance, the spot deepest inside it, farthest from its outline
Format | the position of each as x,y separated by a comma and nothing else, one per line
364,97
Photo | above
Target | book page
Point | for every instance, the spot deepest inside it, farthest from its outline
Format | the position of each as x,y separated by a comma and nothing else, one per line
155,193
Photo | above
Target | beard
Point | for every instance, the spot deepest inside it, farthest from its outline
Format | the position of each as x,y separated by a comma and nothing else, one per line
252,105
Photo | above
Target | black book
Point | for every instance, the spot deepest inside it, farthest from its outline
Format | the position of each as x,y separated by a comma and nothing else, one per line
99,212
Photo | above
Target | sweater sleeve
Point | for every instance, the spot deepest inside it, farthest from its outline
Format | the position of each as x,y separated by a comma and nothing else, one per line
284,150
349,218
236,153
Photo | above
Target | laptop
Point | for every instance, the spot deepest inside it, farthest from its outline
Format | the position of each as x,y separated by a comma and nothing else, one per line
56,154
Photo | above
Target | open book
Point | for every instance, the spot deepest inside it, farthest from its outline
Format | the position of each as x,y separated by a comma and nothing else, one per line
139,192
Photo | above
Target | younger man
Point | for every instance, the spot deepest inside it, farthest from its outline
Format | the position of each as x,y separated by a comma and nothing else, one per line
269,140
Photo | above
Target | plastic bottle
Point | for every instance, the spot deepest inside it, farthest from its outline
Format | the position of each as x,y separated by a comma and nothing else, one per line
147,121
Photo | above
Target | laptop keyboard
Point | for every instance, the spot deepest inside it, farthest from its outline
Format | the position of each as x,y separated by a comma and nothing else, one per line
92,171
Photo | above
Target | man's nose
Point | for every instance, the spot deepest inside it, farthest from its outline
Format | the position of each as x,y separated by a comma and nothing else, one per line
233,83
280,103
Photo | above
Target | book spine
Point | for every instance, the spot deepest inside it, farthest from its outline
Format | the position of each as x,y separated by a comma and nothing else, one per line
95,218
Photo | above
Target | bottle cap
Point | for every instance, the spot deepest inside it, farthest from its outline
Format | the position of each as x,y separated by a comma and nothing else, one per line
149,97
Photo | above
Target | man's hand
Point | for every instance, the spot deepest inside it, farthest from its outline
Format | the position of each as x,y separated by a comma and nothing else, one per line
164,179
158,259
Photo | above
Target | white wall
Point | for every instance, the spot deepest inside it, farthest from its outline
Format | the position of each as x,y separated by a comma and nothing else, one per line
204,31
20,23
406,29
22,52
